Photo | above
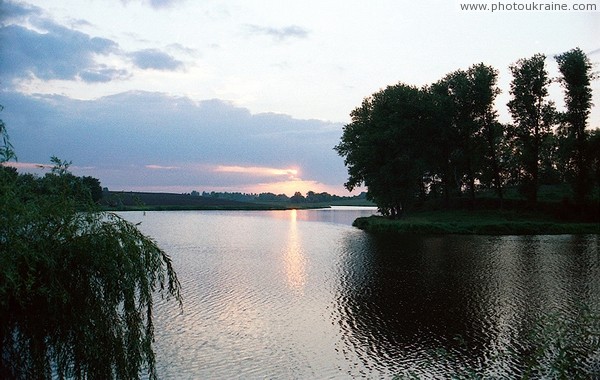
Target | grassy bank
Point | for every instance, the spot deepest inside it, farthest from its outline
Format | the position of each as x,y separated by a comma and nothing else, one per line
482,222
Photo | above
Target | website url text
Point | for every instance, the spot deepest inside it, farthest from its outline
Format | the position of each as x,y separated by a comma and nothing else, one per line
529,6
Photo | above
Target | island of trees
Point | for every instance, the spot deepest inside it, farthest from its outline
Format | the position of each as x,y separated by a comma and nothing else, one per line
442,144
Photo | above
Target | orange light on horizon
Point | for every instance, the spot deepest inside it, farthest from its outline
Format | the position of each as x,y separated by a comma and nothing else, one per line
257,170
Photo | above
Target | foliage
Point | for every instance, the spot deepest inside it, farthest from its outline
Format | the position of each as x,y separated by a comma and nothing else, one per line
474,223
6,150
576,70
560,350
408,144
382,146
474,122
76,284
533,115
404,140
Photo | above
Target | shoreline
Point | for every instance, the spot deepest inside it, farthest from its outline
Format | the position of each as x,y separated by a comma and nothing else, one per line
474,223
246,207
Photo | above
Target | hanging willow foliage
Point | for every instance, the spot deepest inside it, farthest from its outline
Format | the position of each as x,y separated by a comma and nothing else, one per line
76,284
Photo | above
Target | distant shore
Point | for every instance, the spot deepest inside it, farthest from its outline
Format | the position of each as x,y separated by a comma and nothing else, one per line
147,201
481,222
245,207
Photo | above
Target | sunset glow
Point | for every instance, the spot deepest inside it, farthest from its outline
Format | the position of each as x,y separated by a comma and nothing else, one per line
257,171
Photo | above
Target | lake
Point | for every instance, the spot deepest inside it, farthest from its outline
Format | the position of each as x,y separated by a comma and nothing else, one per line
301,294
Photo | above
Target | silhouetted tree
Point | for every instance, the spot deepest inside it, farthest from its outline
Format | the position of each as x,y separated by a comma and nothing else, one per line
593,153
533,115
297,198
443,146
483,81
383,146
470,139
576,76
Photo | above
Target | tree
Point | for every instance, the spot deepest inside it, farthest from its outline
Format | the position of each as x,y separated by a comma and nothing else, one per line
472,128
465,128
94,187
533,115
484,90
297,198
593,155
444,139
383,146
6,150
76,284
576,76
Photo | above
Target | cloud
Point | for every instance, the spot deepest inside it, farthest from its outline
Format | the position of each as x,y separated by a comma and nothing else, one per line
58,53
279,34
28,165
103,73
595,51
197,145
156,4
35,46
257,171
12,12
161,167
33,167
155,59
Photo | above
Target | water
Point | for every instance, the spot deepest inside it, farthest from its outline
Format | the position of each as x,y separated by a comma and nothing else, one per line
301,294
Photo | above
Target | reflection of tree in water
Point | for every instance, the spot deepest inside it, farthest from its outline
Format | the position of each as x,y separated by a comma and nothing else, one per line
404,302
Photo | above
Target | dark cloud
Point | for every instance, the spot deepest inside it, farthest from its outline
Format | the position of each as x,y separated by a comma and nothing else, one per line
280,34
47,50
155,59
121,135
102,74
60,53
10,12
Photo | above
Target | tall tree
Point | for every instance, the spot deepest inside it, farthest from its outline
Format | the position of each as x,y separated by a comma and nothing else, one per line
593,154
576,76
533,116
444,139
483,81
459,90
472,94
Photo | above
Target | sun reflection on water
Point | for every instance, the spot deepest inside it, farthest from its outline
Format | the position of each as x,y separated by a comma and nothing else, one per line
294,258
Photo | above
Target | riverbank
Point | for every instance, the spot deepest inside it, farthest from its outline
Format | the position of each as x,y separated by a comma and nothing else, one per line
482,222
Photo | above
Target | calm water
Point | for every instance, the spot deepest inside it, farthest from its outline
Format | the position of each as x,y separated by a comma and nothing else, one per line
303,295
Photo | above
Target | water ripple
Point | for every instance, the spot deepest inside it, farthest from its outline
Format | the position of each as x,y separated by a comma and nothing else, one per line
282,296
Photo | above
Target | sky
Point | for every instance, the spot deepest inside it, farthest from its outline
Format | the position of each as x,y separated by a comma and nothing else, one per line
241,95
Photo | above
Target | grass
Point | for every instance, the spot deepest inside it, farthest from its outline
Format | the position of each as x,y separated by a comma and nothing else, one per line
481,222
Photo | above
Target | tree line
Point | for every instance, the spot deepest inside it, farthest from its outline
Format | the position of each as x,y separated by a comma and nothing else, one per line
298,197
444,140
